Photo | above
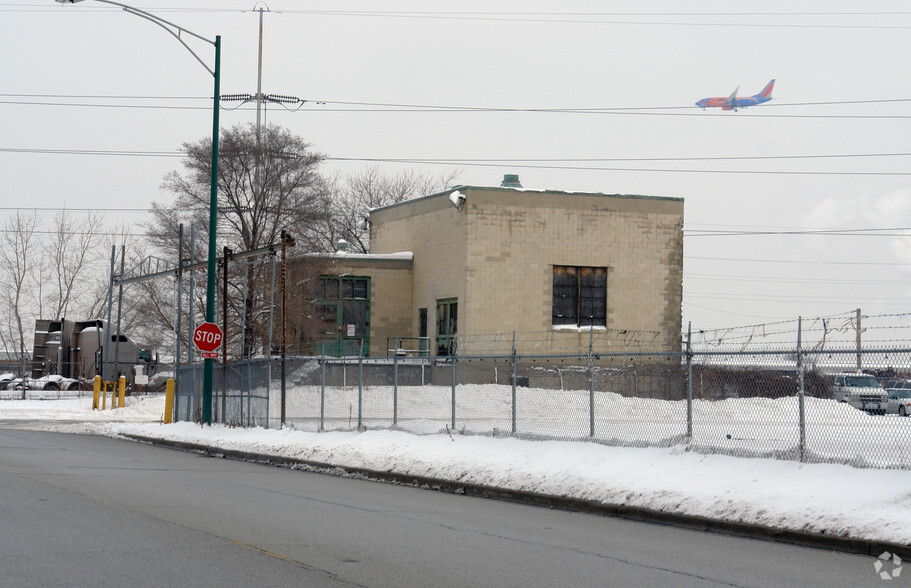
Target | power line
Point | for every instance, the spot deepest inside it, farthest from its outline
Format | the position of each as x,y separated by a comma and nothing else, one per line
116,153
202,10
70,209
835,280
385,107
518,162
460,163
497,160
814,262
869,232
898,300
590,18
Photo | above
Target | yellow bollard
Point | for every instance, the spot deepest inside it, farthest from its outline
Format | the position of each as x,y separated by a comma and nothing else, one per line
123,391
96,390
169,401
104,395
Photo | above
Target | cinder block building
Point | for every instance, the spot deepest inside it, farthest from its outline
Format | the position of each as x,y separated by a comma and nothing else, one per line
449,267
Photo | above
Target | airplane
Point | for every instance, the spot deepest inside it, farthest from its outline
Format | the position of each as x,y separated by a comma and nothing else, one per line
732,102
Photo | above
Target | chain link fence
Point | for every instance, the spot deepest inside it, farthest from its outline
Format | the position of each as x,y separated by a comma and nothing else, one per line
240,392
743,400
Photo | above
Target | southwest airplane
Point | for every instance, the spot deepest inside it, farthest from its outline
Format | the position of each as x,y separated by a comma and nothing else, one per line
732,102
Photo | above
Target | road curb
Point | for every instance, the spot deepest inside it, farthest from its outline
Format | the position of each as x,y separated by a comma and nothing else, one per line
634,513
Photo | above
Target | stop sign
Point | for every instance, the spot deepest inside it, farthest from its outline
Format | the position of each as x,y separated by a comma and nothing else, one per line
207,337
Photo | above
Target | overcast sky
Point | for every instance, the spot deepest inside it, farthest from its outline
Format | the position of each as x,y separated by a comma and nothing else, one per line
89,77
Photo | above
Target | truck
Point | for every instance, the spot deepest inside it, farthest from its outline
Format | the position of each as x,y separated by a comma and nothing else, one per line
862,391
76,349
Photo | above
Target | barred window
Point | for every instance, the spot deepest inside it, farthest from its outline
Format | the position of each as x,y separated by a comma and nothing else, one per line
580,296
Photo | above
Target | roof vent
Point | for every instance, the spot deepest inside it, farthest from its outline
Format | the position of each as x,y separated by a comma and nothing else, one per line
511,181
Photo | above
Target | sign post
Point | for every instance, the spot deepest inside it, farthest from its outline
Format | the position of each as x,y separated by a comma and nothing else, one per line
207,337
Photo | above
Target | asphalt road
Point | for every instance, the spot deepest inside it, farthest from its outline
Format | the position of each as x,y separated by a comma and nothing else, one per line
92,511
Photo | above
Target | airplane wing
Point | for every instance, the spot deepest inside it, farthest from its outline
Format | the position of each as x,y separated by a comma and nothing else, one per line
731,102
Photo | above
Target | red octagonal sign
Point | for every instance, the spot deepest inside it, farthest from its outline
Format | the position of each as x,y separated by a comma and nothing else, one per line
207,337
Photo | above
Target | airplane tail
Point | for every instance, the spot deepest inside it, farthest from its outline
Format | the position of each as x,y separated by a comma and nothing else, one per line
767,91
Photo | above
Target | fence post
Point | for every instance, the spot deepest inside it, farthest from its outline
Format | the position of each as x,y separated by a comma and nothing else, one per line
360,385
96,392
513,360
169,401
322,392
249,392
689,383
801,412
395,383
122,392
591,382
452,357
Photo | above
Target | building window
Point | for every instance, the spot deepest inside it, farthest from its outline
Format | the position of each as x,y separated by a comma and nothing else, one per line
447,325
580,296
423,343
343,304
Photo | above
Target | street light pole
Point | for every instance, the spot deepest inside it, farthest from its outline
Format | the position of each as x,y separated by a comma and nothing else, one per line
208,367
177,32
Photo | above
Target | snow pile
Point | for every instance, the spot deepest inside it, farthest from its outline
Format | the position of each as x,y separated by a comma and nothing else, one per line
824,498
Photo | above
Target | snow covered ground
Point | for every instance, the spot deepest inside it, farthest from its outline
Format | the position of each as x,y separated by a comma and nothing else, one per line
873,504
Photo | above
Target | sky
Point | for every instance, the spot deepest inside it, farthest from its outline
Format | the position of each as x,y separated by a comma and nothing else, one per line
867,504
799,207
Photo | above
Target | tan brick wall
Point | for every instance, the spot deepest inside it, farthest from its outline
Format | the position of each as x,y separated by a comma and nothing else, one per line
435,232
496,256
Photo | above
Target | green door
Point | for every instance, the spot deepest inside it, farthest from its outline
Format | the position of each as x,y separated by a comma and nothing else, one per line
447,325
344,306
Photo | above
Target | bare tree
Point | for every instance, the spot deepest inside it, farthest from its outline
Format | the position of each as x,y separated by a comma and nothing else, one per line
17,250
71,246
355,196
265,186
261,190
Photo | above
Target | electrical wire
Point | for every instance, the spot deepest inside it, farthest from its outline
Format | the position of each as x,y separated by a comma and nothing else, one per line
380,107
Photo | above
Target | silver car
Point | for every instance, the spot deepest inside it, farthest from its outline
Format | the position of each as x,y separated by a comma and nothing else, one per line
899,397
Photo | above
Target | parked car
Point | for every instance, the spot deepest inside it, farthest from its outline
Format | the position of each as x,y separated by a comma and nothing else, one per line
899,392
52,382
862,391
5,380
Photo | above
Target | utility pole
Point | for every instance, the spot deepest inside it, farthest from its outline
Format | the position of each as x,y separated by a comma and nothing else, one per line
259,97
859,330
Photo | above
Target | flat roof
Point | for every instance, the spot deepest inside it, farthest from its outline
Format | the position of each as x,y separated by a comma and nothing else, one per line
530,190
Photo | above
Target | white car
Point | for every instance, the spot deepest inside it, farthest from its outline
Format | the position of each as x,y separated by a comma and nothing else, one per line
899,397
52,382
861,391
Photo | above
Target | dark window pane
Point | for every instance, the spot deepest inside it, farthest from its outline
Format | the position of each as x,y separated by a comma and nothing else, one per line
422,322
330,288
565,295
580,296
329,316
360,289
354,313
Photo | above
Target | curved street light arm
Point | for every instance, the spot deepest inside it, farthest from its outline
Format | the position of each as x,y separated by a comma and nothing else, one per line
173,29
